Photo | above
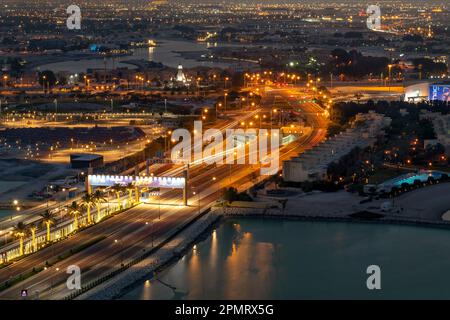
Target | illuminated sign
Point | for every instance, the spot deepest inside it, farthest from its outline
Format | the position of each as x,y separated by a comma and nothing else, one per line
440,92
153,182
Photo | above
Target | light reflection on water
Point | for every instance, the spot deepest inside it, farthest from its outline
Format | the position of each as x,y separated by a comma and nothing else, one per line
276,259
167,52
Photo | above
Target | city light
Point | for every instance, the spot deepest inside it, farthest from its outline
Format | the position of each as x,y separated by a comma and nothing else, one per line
134,130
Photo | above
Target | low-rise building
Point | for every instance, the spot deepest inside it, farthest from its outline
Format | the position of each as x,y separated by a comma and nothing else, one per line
441,125
312,165
427,91
86,160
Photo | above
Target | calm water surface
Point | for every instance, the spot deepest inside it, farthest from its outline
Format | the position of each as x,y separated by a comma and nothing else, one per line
285,259
167,52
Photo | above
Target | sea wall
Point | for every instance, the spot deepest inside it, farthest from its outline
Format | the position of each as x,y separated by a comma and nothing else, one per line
176,247
332,217
172,250
313,213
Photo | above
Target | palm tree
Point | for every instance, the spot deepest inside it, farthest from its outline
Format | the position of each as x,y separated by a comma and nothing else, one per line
33,228
87,202
136,193
130,188
20,231
99,197
48,219
74,210
118,189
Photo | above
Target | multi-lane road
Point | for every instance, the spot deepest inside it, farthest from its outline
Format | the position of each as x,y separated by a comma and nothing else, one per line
126,235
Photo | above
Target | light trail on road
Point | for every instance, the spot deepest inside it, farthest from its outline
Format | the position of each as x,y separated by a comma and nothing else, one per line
138,227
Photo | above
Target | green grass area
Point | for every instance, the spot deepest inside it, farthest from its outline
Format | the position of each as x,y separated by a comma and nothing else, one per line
381,175
251,205
443,168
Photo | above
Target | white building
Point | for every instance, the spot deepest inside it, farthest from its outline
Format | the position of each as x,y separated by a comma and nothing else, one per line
312,165
180,79
418,92
441,125
427,91
180,75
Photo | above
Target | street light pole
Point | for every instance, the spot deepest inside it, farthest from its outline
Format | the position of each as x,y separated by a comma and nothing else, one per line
121,251
389,77
214,180
51,187
159,206
152,232
225,101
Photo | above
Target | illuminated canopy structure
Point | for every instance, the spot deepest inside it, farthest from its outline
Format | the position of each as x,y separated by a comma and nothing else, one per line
152,182
148,182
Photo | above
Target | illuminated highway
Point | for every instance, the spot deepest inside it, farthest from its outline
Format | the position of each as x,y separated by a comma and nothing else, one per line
134,229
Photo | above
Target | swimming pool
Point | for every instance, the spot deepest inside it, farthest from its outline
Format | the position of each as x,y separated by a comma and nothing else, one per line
409,178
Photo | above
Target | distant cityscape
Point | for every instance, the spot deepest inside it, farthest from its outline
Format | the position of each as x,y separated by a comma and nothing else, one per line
143,144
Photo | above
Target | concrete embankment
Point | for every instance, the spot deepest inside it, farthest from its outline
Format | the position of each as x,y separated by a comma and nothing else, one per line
173,249
114,287
332,217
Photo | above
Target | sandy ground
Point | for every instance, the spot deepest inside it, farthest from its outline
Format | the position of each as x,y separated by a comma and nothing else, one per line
21,178
110,153
428,203
318,203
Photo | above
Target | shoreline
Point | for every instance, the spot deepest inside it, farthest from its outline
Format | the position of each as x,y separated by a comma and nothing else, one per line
49,60
220,218
186,237
167,248
385,221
